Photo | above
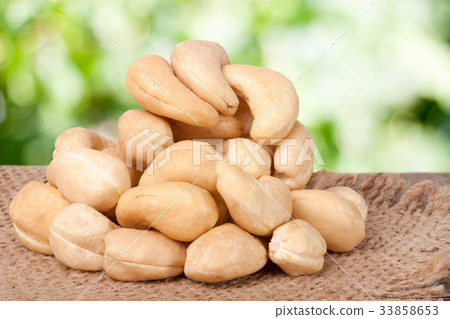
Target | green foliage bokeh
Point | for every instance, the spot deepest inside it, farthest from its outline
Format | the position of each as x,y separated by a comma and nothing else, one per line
377,99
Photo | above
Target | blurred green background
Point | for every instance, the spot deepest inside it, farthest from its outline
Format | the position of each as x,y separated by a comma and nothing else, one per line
378,100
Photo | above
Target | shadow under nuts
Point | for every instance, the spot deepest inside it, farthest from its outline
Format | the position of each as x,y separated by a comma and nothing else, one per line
224,253
77,235
298,248
258,206
179,210
139,255
224,215
32,210
229,126
337,219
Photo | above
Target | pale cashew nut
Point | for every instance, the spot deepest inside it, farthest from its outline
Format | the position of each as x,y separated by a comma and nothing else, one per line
352,196
258,206
141,136
270,96
298,248
179,210
151,82
140,255
32,210
294,157
135,174
228,127
183,165
299,181
79,137
198,64
77,235
90,177
337,219
251,157
225,252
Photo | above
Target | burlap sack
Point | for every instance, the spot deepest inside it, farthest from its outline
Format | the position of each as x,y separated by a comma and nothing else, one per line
405,254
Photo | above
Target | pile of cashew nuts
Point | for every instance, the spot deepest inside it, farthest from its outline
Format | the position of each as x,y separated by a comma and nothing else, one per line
205,180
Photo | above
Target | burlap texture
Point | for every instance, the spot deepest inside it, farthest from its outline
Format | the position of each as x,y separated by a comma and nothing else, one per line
405,254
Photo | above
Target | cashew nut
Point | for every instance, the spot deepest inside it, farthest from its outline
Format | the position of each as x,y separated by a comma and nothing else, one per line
179,210
138,255
79,137
184,163
198,65
298,248
258,206
32,210
270,96
352,196
142,135
224,253
337,219
91,177
151,82
135,174
77,236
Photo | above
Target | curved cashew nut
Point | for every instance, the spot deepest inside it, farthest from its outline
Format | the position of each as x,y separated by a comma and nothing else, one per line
141,255
270,96
352,196
198,64
142,135
32,211
77,235
258,206
184,165
229,126
179,210
294,157
79,137
90,177
298,248
135,175
224,253
151,82
337,219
